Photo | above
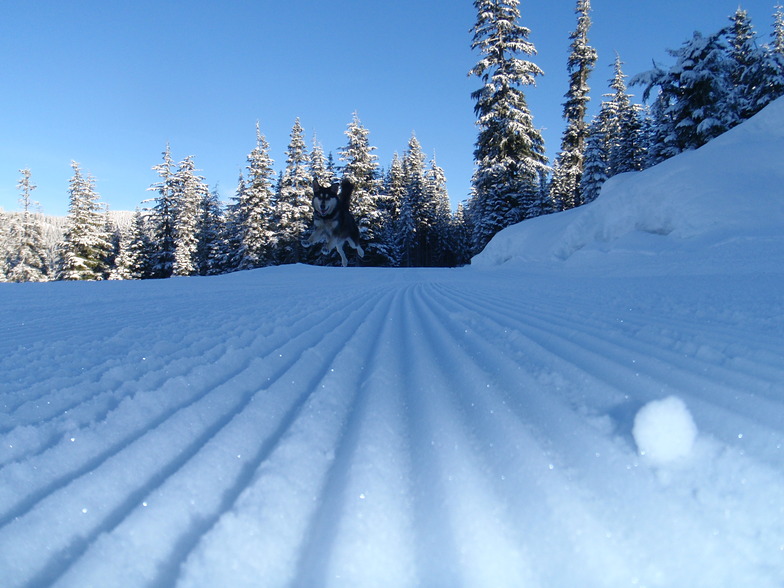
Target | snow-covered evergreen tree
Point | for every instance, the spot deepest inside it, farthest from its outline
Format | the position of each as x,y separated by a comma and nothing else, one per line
623,126
135,258
360,166
616,140
693,104
398,229
596,163
252,213
114,235
86,245
7,247
509,152
746,66
413,205
461,237
26,258
778,30
437,213
210,251
292,204
757,72
773,67
319,166
568,166
188,192
164,218
121,268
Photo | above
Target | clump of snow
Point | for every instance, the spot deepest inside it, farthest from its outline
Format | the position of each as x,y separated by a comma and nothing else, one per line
703,202
664,430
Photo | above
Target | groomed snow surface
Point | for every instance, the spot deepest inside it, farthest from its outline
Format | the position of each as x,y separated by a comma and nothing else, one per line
597,401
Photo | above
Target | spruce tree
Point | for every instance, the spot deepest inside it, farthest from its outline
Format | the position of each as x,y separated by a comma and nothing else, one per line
773,68
360,166
86,244
596,162
318,165
778,30
188,192
416,223
399,227
27,259
509,152
134,260
292,205
210,251
252,214
7,247
461,237
756,73
693,103
163,217
568,166
438,214
121,268
746,67
623,126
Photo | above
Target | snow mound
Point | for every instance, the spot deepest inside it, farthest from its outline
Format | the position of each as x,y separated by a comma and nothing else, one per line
728,192
664,430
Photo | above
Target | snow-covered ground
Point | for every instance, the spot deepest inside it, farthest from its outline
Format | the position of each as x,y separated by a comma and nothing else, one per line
597,401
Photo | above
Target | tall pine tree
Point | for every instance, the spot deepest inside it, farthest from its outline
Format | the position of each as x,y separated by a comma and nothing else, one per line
360,166
164,218
623,126
438,214
135,259
568,166
778,30
210,251
692,105
188,191
27,259
252,214
415,223
509,152
292,205
399,227
86,245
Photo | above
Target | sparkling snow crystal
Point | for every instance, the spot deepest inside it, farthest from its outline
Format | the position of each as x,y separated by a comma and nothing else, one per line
664,430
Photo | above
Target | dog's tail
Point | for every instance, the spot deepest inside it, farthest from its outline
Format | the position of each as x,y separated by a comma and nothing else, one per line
346,189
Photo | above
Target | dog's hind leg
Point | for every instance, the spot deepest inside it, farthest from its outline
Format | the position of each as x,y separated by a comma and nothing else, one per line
343,260
358,247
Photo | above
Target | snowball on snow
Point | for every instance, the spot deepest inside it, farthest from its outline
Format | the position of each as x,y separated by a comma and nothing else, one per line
664,430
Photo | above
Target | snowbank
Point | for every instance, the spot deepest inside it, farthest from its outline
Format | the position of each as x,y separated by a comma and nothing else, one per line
701,202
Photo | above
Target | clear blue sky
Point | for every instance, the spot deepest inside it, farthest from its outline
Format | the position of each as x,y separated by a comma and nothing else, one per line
109,83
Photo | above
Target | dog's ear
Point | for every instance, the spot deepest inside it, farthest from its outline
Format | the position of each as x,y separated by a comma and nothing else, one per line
334,188
346,188
316,185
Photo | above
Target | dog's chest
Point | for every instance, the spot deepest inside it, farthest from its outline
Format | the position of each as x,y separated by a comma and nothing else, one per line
326,224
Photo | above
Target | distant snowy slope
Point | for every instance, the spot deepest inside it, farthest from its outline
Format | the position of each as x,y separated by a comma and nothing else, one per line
731,188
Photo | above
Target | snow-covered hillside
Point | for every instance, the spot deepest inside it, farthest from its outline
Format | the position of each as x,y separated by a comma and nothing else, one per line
695,212
598,401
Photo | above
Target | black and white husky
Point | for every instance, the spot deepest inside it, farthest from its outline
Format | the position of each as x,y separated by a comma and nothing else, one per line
333,223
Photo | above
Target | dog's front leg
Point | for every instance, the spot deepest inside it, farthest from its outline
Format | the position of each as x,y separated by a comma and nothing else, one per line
314,237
